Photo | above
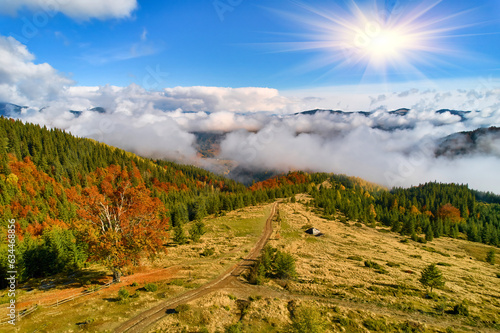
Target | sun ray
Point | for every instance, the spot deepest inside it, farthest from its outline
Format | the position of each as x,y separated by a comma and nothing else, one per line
375,42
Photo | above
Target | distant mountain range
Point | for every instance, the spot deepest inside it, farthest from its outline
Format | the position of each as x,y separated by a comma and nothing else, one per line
13,110
399,112
484,141
9,109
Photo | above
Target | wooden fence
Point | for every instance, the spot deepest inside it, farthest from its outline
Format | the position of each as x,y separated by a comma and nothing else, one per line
28,311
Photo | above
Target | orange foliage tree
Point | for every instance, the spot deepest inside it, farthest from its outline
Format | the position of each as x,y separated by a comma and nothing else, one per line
448,211
118,218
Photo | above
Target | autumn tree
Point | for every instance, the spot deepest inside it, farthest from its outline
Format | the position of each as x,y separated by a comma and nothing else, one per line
448,211
119,221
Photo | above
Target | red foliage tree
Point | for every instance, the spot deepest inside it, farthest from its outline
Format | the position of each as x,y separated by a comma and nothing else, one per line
119,221
448,211
275,182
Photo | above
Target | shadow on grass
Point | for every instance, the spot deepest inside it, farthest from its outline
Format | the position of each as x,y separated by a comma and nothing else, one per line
61,281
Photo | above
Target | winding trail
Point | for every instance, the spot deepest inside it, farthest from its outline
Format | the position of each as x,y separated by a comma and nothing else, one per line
141,322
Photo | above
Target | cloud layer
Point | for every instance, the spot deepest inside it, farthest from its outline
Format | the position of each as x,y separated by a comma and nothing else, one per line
261,128
21,80
78,9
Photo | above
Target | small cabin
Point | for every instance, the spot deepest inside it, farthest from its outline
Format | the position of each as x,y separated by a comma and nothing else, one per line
314,232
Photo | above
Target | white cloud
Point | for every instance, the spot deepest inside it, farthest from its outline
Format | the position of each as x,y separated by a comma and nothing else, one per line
382,147
400,157
77,9
24,82
227,99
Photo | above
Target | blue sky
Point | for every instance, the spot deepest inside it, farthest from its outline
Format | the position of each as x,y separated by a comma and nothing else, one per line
244,67
233,43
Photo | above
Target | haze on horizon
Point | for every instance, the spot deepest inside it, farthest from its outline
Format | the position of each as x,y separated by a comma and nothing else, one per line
162,71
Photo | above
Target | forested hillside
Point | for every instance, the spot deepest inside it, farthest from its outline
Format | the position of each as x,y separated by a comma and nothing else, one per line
76,200
432,209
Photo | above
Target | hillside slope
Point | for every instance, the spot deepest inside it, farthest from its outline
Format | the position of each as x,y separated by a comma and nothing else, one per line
353,279
59,188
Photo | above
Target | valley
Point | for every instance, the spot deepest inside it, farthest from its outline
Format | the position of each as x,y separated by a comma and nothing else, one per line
333,282
190,246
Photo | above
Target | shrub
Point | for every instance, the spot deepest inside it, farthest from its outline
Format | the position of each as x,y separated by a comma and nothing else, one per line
123,294
490,257
234,328
182,308
393,264
461,309
444,264
151,287
93,287
377,267
307,320
440,308
421,240
134,284
375,325
207,252
177,282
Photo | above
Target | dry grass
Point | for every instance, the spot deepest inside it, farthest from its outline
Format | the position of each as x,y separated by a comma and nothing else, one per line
333,280
182,268
351,297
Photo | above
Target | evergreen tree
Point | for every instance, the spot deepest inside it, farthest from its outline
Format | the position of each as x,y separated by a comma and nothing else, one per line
179,235
197,230
432,277
429,234
490,257
285,265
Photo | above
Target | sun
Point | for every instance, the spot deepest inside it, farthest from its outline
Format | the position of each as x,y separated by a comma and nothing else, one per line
385,44
376,40
381,45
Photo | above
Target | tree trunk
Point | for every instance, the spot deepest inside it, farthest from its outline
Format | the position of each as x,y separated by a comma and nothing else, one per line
116,276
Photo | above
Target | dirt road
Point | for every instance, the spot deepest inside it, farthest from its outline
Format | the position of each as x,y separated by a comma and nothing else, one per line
144,320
